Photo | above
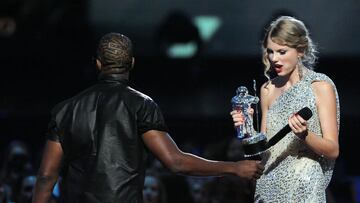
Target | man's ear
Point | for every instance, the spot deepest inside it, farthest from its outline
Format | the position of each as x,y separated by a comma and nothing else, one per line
132,63
98,65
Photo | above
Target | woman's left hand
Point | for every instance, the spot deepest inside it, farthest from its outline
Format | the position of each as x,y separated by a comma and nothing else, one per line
298,125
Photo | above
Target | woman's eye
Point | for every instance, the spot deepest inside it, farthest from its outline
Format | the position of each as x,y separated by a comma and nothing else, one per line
282,52
269,51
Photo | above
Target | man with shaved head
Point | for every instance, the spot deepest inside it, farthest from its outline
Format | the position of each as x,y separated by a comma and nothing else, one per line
100,137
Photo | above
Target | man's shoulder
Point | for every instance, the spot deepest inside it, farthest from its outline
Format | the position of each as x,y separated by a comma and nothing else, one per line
64,104
138,94
70,100
139,100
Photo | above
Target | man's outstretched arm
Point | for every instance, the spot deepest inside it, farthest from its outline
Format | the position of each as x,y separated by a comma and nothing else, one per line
48,172
166,150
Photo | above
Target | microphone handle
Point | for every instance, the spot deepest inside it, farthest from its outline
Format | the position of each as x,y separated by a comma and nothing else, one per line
305,113
278,136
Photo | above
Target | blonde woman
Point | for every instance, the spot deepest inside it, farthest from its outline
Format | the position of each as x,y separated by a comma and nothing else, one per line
299,167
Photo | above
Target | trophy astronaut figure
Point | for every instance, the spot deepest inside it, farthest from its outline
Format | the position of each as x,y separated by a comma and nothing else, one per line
242,101
254,143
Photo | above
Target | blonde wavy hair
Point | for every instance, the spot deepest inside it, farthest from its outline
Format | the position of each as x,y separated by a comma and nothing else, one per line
291,32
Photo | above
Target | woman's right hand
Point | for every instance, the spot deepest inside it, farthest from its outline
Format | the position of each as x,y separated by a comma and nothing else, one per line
239,118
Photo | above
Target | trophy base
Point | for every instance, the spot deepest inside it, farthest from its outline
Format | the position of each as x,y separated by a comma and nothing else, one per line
254,146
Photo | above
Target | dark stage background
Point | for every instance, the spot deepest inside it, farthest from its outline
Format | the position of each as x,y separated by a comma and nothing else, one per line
47,50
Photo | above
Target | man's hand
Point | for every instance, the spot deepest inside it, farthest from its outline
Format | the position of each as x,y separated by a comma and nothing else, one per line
249,169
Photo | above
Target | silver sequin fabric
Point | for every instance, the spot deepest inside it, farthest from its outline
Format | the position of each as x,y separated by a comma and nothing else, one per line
293,172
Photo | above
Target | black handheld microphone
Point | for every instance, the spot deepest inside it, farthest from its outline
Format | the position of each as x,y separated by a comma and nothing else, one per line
305,113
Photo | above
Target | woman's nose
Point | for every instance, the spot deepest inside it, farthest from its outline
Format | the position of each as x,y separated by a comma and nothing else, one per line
274,58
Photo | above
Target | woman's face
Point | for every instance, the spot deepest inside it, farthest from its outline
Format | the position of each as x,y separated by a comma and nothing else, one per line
282,58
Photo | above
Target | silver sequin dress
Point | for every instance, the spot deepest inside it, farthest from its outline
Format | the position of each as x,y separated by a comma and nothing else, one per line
293,172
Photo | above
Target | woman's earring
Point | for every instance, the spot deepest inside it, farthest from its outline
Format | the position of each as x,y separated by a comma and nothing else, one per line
300,67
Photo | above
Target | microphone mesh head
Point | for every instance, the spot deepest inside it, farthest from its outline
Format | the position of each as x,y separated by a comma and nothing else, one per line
305,113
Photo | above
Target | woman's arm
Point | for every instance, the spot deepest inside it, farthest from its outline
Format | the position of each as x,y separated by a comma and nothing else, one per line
328,144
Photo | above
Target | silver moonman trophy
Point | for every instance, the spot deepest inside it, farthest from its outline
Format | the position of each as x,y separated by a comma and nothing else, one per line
254,143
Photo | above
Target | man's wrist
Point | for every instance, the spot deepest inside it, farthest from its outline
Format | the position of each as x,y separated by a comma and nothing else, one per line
304,135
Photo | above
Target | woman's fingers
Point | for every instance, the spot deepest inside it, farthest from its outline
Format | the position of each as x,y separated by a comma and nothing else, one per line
238,116
297,124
